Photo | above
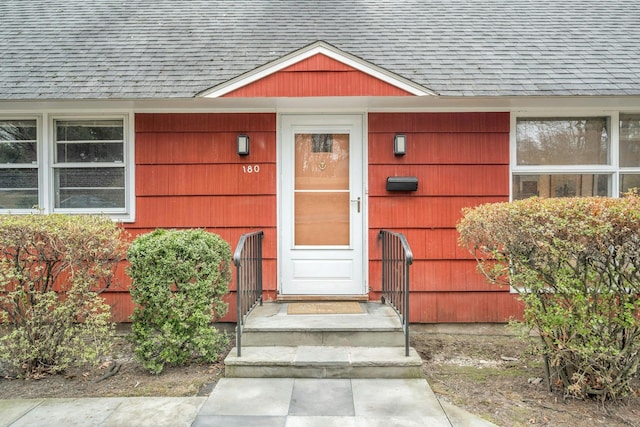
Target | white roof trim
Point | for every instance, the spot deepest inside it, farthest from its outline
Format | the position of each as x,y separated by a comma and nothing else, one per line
307,52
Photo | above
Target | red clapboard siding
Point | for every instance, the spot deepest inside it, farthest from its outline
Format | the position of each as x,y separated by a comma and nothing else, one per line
440,275
461,307
317,76
203,147
121,305
204,179
318,62
232,311
189,174
461,160
426,243
464,307
269,241
206,122
205,211
438,122
121,281
409,212
452,180
230,234
327,83
441,148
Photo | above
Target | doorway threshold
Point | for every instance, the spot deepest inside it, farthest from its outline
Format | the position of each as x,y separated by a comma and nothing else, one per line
295,298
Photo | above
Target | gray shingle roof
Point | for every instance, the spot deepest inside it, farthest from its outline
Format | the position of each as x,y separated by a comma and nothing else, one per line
94,49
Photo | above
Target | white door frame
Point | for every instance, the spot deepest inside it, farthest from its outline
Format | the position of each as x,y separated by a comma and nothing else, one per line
287,124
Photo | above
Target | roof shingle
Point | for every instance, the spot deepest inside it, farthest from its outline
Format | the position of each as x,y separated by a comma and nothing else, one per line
96,49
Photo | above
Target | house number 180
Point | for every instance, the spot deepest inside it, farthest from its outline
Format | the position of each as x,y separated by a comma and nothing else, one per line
251,168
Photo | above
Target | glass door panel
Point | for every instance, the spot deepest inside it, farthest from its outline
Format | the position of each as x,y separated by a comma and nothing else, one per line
321,199
321,219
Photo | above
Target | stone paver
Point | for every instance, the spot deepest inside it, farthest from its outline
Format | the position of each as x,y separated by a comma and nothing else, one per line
69,412
12,410
258,402
250,396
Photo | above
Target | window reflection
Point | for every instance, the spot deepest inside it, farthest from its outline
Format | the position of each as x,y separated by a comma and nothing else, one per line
18,147
630,140
570,141
321,202
561,185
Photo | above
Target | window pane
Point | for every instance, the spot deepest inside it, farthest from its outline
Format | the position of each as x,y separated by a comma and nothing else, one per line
89,130
322,161
18,141
322,218
90,152
570,141
90,177
90,199
18,152
18,130
18,199
564,185
18,178
90,141
629,181
90,188
321,143
18,188
629,140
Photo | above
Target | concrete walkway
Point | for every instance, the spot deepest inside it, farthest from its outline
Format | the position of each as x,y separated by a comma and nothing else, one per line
282,402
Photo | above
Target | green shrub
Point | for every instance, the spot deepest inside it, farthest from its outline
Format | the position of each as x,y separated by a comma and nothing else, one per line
179,278
52,269
575,263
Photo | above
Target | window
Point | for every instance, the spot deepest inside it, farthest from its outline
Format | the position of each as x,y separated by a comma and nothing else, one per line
75,165
88,167
629,152
563,157
18,164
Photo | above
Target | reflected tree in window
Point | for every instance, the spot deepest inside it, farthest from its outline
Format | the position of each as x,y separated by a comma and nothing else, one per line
571,141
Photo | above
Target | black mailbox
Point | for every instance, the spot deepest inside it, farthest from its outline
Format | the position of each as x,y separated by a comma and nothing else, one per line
402,183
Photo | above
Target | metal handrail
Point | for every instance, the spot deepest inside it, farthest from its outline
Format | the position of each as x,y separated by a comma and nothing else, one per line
248,261
396,259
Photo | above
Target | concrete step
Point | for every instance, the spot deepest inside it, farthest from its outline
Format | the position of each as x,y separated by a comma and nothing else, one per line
323,362
270,325
323,338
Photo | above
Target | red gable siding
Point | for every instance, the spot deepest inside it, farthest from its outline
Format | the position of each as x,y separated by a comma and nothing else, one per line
318,75
461,160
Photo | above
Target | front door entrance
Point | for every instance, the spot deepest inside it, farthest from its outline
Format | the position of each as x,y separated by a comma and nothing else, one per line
322,205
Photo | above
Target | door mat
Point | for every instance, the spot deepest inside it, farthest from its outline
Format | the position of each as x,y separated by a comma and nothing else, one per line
339,307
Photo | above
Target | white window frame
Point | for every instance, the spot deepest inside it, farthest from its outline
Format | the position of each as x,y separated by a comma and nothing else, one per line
626,169
611,169
38,165
45,123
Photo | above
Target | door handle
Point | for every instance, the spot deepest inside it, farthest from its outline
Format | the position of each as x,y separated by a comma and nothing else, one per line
358,201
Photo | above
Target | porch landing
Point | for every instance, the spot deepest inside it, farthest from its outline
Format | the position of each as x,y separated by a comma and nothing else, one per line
365,345
272,318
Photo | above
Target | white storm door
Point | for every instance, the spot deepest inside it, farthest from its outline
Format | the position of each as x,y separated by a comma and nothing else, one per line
322,205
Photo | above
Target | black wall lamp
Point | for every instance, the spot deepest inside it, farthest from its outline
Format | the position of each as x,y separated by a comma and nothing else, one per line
243,145
400,145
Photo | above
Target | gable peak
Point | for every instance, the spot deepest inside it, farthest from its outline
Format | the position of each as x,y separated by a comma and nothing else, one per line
316,49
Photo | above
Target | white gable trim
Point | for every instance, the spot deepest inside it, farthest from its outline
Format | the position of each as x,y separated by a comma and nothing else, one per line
308,52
